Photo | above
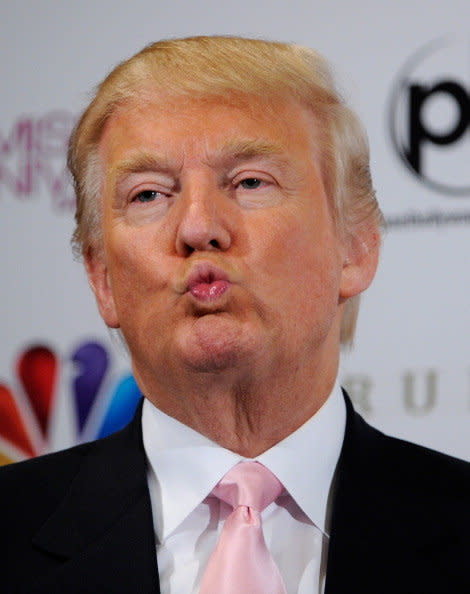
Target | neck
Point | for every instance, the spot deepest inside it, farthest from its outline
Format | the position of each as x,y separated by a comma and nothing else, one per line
246,412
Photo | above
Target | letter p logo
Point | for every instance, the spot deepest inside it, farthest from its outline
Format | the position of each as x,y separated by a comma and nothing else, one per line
430,117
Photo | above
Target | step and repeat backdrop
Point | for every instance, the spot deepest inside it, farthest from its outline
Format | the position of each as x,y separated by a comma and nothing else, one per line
404,66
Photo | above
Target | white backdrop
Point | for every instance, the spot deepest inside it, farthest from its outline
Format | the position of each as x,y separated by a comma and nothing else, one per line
409,371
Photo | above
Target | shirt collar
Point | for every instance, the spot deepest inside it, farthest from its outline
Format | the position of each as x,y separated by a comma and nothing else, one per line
305,461
184,466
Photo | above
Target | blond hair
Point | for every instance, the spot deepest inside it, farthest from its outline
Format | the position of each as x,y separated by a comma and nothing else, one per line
226,68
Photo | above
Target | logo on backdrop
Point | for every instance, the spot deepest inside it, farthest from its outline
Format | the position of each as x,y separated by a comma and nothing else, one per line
33,158
429,115
96,405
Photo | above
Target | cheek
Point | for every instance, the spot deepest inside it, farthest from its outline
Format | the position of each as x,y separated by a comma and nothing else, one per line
134,274
299,257
311,299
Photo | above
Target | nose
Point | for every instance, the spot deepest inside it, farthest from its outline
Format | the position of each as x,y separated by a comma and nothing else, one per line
203,223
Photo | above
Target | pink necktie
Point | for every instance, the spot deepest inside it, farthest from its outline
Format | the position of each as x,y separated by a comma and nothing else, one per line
241,562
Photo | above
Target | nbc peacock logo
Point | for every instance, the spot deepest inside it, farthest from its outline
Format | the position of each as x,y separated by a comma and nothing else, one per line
57,401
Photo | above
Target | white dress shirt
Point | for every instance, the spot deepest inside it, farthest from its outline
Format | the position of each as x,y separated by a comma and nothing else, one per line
184,467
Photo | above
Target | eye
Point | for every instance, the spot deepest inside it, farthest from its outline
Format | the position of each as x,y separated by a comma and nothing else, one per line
146,196
250,183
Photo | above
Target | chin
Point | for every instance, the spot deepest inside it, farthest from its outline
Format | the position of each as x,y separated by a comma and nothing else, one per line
210,362
214,343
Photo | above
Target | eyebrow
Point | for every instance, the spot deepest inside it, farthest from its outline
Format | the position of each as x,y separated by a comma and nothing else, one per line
233,151
248,149
140,163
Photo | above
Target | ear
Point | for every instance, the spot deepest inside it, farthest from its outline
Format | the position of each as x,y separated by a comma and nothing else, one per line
360,262
98,277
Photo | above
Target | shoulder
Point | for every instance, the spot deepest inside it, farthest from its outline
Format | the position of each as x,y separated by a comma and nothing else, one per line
398,504
401,463
53,465
45,464
413,465
33,488
417,496
56,506
387,475
52,473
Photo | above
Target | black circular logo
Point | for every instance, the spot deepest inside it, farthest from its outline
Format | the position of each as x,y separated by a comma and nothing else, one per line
429,115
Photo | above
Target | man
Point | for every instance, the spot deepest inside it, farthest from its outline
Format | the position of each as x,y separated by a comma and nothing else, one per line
228,224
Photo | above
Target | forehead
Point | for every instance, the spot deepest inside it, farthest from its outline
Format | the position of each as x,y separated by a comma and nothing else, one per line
202,128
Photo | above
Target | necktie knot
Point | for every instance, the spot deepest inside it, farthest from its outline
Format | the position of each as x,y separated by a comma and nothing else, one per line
250,484
241,561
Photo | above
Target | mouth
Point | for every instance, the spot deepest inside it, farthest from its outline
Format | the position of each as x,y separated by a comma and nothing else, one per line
207,284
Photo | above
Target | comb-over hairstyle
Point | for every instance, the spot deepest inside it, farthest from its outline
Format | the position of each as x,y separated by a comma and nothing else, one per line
231,69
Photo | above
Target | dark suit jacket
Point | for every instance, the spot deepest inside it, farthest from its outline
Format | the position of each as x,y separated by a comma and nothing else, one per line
80,522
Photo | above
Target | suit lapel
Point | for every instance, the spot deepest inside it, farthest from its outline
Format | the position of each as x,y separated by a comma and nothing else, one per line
353,530
381,536
101,536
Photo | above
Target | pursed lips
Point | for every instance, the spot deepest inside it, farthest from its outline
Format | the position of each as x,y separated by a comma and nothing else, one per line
207,283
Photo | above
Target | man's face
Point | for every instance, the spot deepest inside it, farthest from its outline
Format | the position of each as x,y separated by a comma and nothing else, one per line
220,251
